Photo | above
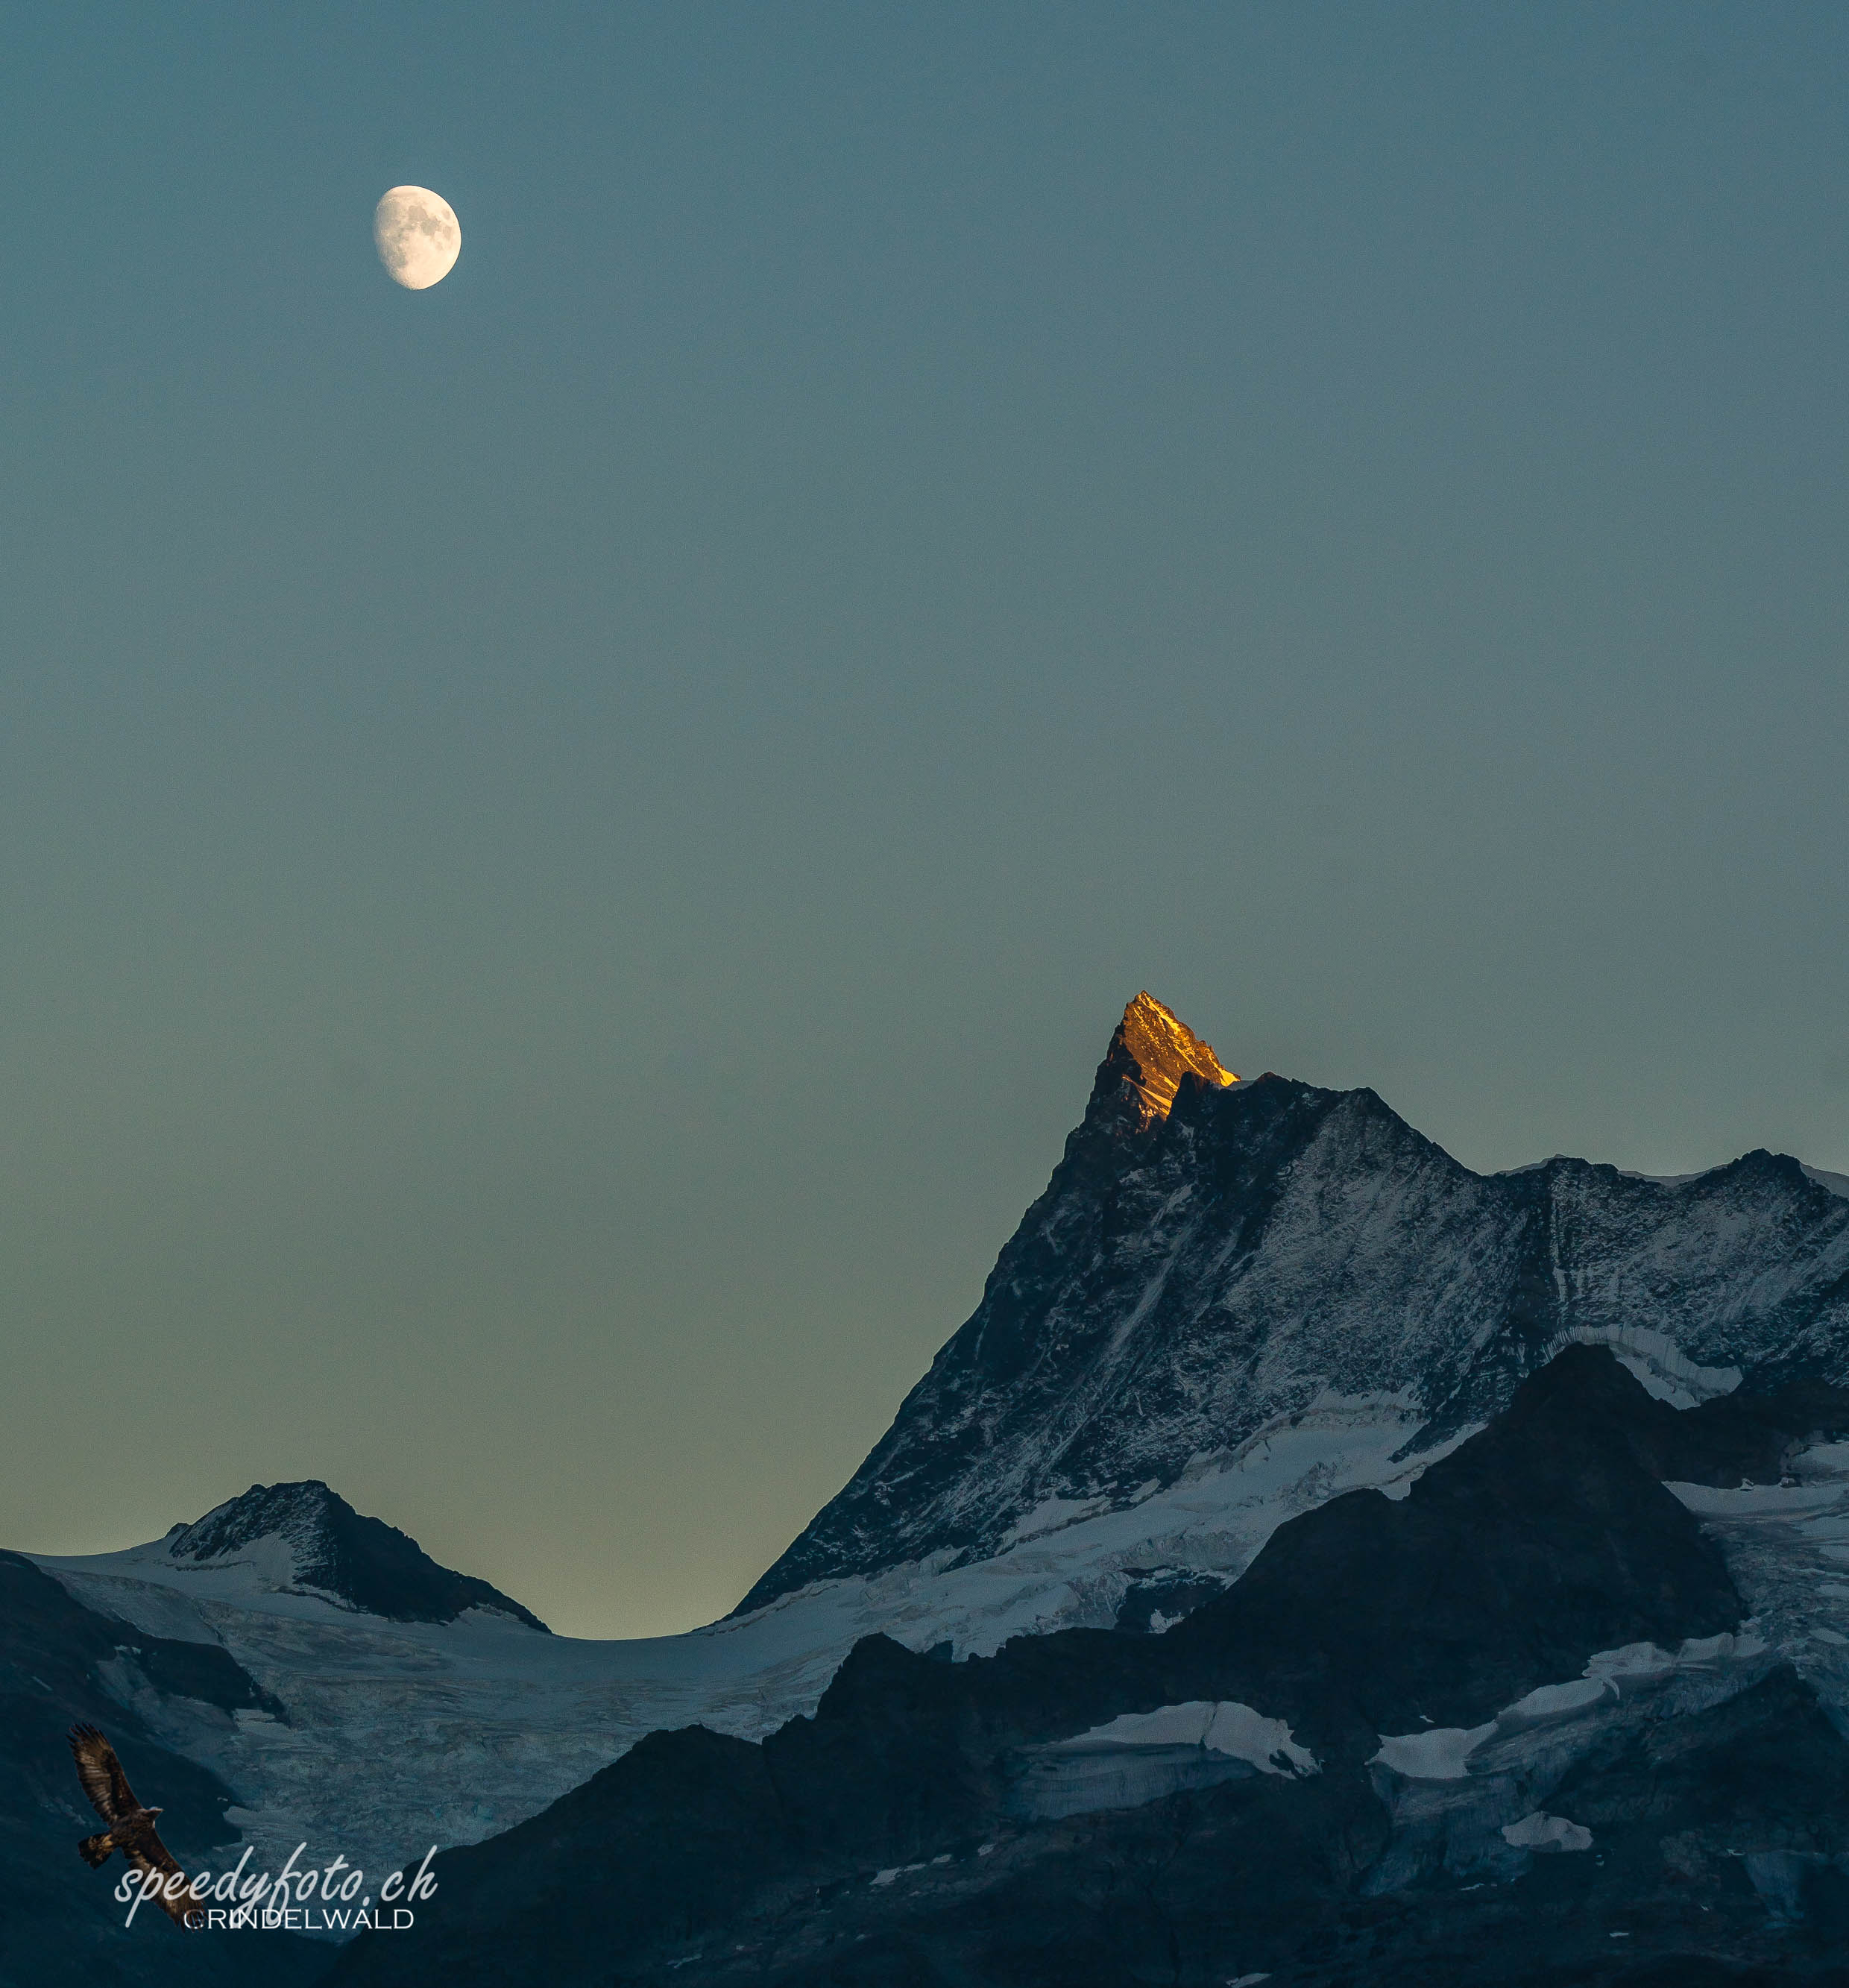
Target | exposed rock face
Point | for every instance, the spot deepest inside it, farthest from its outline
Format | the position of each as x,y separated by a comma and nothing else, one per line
332,1551
1212,1256
1152,1050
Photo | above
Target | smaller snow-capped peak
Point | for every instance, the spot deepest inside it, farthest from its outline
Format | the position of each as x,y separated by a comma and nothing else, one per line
305,1539
303,1516
1152,1050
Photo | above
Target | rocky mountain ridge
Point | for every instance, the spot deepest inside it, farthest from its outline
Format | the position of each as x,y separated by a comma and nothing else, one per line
1195,1274
333,1552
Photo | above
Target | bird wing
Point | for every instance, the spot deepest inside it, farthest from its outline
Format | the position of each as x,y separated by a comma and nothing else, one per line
148,1853
101,1774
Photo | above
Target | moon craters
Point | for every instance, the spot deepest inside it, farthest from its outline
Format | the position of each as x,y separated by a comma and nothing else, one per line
418,236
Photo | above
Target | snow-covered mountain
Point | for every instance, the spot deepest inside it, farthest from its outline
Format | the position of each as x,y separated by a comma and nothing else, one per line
1237,1300
1216,1261
304,1539
375,1705
349,1692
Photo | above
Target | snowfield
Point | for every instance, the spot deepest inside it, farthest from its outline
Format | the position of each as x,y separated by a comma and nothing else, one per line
397,1735
401,1733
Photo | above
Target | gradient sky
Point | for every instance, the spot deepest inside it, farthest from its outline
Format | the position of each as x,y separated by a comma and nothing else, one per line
569,843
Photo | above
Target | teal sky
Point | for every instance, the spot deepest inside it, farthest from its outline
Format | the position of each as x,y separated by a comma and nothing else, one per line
569,843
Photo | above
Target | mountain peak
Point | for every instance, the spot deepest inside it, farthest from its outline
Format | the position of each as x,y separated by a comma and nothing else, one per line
1212,1259
305,1539
1151,1051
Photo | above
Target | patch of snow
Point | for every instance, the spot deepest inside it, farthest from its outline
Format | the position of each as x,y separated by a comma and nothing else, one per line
267,1562
1226,1727
1172,1725
1536,1831
1698,1652
1612,1677
1126,1326
1659,1363
1707,1502
1242,1733
1630,1660
1552,1702
1440,1754
1051,1515
1071,1572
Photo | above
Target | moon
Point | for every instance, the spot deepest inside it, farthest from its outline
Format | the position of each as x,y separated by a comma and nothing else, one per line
418,236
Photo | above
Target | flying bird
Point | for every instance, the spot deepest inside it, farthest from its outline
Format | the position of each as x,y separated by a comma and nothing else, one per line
131,1828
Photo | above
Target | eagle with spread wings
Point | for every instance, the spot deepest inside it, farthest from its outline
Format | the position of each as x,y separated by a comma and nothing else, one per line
130,1827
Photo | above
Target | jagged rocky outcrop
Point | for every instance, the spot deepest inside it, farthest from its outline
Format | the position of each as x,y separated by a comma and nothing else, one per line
1151,1053
1212,1255
332,1551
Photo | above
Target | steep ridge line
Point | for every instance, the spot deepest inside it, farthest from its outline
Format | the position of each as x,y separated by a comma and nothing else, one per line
1191,1277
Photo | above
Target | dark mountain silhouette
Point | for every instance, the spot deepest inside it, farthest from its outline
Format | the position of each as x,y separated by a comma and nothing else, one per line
849,1846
